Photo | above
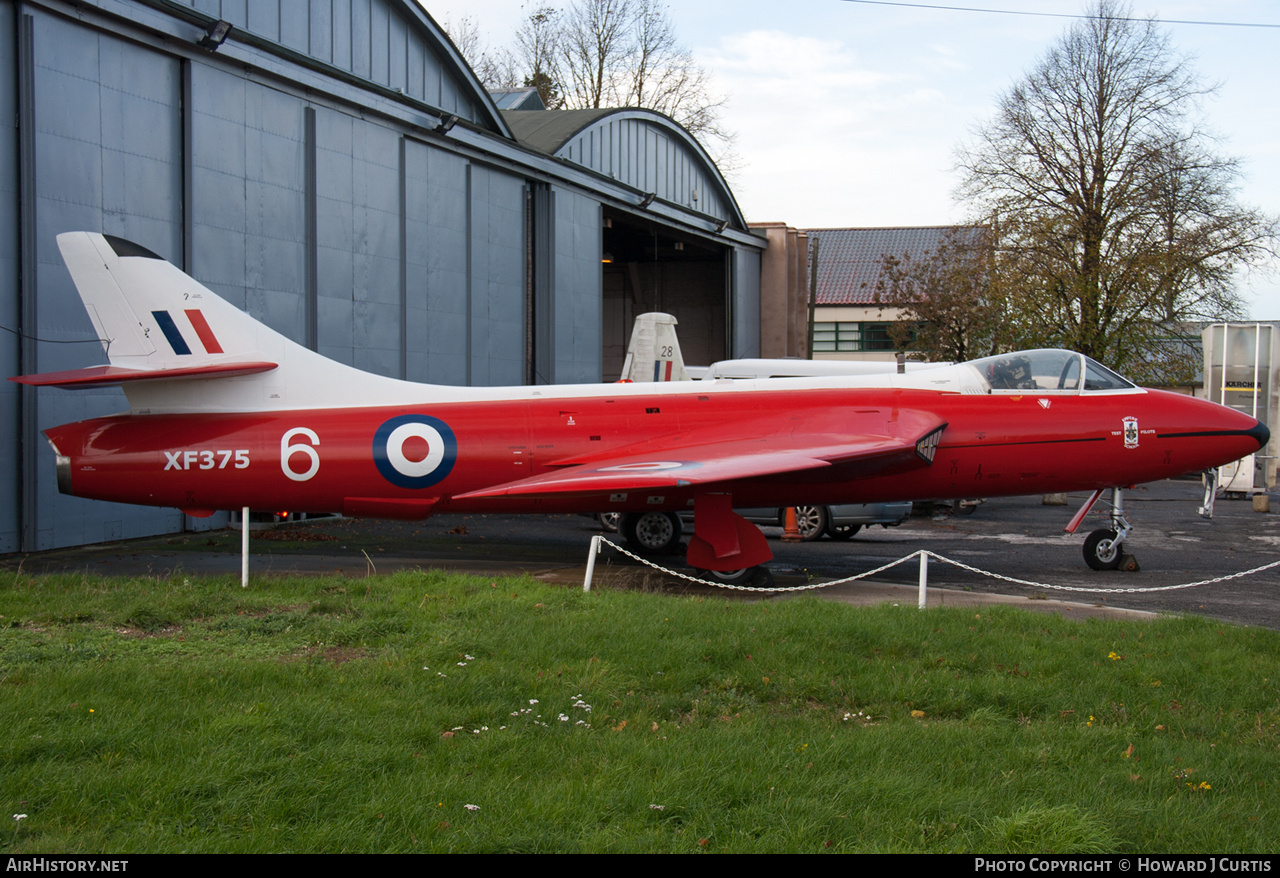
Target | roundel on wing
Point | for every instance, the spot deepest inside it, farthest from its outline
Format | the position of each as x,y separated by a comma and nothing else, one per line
414,451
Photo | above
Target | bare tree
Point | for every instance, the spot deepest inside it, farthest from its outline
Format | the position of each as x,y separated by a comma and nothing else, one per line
495,68
661,75
595,51
1114,215
618,53
605,53
537,53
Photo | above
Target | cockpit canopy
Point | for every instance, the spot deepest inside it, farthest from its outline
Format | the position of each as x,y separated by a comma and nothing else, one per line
1047,370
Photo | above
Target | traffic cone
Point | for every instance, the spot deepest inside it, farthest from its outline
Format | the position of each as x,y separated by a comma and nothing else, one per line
791,529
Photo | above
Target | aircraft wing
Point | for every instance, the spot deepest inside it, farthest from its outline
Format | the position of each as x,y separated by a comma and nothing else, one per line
714,463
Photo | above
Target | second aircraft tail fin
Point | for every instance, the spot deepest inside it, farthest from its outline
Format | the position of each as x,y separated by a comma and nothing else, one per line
654,351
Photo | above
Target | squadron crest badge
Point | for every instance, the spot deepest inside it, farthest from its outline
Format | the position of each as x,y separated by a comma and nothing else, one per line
1130,432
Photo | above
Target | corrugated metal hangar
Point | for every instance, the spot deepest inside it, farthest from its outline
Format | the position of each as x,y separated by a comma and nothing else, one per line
334,168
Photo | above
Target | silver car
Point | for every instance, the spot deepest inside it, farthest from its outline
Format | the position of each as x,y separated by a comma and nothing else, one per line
659,532
838,522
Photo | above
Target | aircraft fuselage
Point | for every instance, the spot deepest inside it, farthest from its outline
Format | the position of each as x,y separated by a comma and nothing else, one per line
413,461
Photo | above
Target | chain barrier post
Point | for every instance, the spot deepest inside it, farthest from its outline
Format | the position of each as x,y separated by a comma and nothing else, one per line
924,577
591,562
244,547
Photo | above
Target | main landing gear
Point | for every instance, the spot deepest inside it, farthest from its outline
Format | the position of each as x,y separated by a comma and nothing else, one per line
754,577
1104,548
721,539
651,533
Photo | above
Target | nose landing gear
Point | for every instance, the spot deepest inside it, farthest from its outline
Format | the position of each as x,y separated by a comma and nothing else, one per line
1104,548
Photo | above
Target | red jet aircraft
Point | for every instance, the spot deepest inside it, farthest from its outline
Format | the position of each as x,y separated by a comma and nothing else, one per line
226,413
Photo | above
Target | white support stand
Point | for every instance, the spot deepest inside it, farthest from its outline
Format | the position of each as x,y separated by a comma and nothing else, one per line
924,577
1210,477
591,562
244,547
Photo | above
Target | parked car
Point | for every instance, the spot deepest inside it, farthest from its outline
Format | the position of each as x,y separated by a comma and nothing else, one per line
838,522
658,532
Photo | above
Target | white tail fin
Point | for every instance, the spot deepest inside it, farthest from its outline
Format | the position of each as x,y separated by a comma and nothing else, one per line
162,330
151,316
654,352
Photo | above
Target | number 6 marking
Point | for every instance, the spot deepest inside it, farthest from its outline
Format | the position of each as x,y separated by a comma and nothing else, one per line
287,451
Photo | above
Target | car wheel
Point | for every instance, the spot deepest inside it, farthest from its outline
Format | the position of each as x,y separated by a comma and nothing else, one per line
843,531
811,521
1102,550
651,533
609,521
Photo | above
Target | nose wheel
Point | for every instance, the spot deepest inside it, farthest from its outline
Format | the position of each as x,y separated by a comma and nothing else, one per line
1104,548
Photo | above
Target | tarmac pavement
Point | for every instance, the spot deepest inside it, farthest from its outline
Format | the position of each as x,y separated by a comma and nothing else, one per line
1018,538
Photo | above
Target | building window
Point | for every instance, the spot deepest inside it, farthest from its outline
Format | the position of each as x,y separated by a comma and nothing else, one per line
851,337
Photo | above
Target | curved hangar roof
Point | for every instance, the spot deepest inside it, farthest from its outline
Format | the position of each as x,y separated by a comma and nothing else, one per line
392,45
640,148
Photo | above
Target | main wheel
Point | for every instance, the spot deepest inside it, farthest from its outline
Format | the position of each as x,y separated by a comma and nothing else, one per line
609,521
756,577
651,533
843,531
1102,550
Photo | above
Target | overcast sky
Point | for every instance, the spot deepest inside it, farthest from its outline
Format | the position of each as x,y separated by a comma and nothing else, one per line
849,113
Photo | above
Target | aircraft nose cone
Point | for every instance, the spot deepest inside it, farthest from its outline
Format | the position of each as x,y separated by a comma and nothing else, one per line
1261,433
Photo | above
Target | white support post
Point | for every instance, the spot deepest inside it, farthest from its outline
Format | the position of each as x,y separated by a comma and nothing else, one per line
244,547
591,561
924,577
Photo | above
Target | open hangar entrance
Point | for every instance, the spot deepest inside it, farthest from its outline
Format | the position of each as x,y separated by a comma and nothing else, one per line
649,266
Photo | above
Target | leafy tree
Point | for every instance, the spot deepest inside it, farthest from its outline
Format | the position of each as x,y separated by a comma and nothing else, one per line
1112,215
949,298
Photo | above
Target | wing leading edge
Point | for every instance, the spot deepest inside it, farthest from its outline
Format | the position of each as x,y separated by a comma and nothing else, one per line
705,465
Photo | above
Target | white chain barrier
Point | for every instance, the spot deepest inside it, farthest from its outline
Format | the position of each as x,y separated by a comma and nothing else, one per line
597,542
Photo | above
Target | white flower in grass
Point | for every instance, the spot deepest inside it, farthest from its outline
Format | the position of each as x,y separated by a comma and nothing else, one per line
472,807
19,816
657,807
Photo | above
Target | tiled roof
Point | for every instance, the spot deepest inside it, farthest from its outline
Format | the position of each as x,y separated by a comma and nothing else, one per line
849,260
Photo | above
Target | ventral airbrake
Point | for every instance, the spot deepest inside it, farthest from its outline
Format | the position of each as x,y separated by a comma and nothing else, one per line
226,413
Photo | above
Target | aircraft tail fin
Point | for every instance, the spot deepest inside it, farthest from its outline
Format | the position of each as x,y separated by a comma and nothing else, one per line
161,329
149,315
654,351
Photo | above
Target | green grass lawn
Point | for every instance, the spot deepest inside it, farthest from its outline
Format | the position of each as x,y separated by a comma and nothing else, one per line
433,712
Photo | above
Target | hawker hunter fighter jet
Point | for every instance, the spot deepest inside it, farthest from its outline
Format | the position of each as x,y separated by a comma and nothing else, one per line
226,413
